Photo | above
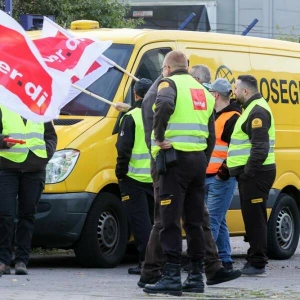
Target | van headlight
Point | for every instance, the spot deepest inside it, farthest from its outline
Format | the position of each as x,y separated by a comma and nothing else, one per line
61,165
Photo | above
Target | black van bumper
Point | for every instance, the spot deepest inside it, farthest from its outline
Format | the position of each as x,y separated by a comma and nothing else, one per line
60,218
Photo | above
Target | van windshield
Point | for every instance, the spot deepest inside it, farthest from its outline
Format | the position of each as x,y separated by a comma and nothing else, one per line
105,86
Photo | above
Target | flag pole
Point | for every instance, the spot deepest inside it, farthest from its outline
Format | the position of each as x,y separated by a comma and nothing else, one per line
118,67
93,95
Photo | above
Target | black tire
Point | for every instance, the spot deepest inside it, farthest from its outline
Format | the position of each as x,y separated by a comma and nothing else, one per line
103,239
283,228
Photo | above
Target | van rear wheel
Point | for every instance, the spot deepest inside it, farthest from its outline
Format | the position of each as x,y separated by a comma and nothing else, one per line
283,228
103,239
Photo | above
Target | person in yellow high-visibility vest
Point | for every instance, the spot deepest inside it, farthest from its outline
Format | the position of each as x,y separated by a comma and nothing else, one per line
251,159
133,173
22,180
155,258
183,127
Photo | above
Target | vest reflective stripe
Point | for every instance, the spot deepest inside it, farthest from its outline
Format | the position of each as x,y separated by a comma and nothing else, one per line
23,150
184,139
141,156
216,160
220,151
221,148
238,142
29,135
187,128
139,164
246,151
240,146
139,171
182,126
31,132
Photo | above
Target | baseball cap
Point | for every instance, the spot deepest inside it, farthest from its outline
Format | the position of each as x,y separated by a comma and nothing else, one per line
142,86
221,86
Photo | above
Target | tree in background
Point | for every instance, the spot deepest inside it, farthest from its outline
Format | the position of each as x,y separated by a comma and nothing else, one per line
109,13
292,36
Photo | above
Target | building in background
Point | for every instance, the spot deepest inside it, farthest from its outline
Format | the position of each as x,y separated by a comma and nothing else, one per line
275,17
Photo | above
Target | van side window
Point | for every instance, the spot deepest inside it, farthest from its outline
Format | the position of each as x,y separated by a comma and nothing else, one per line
149,67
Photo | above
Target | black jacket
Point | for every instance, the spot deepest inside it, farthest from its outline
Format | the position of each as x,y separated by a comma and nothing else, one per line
125,142
147,110
259,138
32,163
165,106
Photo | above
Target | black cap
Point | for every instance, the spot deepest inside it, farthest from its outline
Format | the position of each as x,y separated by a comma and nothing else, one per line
142,86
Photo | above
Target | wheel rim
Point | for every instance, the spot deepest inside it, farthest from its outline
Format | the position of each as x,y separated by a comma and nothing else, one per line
285,228
108,232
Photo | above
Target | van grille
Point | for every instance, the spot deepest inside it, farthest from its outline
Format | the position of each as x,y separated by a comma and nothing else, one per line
66,122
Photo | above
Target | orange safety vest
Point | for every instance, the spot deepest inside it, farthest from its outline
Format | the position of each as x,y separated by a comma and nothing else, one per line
219,153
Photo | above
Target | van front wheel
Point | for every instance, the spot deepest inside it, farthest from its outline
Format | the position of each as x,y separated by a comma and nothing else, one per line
283,228
103,239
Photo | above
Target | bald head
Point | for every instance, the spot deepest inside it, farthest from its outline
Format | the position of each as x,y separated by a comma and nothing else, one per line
176,60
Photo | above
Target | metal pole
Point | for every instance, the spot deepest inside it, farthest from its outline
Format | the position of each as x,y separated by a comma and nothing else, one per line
8,7
186,21
250,27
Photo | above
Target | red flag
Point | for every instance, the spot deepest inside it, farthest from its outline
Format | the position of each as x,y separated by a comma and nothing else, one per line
27,85
99,66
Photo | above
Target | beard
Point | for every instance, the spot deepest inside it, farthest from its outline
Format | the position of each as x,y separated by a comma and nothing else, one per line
240,100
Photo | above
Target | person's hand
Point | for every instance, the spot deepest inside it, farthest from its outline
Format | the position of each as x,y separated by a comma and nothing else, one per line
10,144
123,107
217,177
164,145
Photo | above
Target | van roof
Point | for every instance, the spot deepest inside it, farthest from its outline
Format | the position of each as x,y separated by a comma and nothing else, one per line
146,36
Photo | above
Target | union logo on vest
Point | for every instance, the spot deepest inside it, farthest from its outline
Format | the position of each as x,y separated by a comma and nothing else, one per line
199,99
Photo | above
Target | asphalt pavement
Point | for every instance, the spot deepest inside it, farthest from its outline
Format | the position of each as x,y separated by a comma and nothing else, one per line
59,277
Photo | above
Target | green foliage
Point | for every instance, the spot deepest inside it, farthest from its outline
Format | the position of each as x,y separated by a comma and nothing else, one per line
292,36
109,13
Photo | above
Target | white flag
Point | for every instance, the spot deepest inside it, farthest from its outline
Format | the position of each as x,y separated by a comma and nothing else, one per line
27,86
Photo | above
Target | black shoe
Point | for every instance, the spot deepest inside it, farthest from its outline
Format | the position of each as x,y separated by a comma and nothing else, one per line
20,268
136,270
151,280
170,283
224,275
227,265
248,270
194,282
4,269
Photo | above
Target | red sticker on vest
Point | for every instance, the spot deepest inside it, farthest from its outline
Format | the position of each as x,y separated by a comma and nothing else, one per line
199,99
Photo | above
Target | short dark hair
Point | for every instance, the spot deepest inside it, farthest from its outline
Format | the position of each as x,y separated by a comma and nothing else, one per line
249,81
142,86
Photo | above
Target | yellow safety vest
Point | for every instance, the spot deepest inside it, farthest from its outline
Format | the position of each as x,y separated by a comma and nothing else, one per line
187,128
32,133
240,145
139,164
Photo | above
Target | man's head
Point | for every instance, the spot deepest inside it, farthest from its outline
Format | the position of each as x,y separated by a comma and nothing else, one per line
201,73
174,60
221,90
245,87
141,88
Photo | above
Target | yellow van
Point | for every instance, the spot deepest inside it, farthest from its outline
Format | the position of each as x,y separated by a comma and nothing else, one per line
81,208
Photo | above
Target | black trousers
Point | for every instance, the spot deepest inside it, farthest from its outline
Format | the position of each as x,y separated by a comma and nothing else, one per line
155,258
138,201
19,193
254,192
181,194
